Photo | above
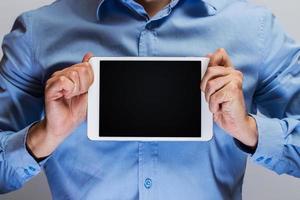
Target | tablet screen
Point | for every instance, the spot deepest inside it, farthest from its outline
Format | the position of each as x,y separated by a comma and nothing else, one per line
150,99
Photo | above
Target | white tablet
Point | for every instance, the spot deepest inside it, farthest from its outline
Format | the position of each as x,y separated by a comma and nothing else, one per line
148,99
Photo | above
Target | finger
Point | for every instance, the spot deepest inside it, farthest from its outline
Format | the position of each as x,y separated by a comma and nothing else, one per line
87,68
213,85
57,73
90,72
218,98
87,57
84,98
85,61
211,73
68,69
209,55
69,93
74,77
221,58
58,87
85,79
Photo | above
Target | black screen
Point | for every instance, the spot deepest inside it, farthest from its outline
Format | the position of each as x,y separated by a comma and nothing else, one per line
150,98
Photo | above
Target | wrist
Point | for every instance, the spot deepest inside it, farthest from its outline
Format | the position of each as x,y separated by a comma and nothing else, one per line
248,134
40,142
252,132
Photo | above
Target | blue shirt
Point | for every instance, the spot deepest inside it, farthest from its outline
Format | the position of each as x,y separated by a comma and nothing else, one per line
57,36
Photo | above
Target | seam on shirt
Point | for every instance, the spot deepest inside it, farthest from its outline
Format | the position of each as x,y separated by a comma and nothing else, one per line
1,150
27,23
263,52
29,28
260,54
4,142
33,46
262,49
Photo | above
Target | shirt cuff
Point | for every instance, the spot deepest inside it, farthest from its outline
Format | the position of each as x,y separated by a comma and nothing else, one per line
17,156
269,150
243,147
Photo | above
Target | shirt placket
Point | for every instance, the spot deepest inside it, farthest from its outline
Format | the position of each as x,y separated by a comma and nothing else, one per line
148,180
148,151
147,42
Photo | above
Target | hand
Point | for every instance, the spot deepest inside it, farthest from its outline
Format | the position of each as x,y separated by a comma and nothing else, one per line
65,107
223,88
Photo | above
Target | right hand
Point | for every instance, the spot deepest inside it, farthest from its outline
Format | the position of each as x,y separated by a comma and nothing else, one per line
65,107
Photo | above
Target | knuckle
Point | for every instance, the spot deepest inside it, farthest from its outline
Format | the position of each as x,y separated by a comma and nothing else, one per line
209,85
73,73
47,86
239,74
49,80
61,79
240,85
234,86
56,73
221,50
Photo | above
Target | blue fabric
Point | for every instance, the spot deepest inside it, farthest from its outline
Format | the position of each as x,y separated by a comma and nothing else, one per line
56,36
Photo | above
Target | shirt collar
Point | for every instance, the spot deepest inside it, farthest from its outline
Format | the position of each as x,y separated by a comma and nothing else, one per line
213,6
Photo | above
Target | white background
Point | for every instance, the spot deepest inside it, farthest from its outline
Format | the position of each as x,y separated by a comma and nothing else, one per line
260,184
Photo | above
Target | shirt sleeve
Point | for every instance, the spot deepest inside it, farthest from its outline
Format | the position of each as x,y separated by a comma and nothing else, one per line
21,104
278,100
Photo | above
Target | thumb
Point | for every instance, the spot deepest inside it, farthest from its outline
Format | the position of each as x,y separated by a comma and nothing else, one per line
220,58
87,57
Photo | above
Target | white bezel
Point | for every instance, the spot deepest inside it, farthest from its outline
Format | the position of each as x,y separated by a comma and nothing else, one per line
94,106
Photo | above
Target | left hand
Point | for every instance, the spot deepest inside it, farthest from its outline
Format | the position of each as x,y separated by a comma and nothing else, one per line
223,88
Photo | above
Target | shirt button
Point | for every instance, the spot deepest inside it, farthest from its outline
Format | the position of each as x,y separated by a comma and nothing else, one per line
32,168
148,183
260,159
268,160
149,26
27,172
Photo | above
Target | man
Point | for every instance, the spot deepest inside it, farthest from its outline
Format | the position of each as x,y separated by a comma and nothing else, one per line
43,98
